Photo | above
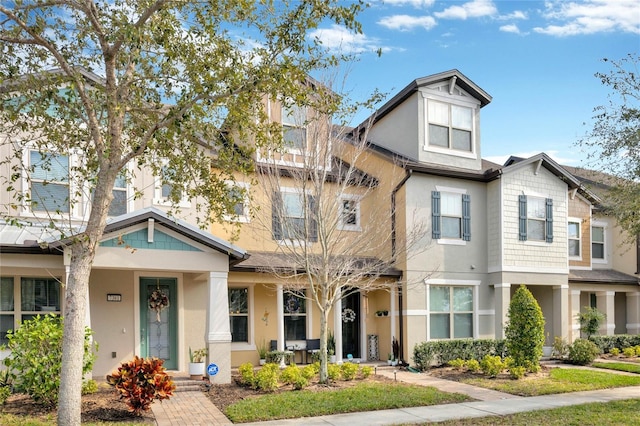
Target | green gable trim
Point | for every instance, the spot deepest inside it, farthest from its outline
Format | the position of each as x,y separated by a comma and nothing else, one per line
138,240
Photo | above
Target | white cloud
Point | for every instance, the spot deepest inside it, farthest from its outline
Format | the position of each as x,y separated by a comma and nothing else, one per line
591,16
511,28
406,22
518,14
472,9
338,38
418,4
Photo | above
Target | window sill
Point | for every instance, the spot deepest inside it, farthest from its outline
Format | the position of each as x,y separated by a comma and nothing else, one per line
451,242
450,151
242,346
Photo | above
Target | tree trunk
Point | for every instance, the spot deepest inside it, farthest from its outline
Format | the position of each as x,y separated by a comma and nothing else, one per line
76,291
324,356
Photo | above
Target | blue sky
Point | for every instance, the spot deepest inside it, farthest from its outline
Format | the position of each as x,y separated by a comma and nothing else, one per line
537,59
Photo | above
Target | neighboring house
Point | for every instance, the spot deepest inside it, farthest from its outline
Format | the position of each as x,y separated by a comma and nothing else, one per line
490,229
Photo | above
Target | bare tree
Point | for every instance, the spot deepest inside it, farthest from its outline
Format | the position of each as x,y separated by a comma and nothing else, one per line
331,215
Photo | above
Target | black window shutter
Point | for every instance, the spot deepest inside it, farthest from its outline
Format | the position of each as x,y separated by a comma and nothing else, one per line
549,219
435,215
276,216
522,223
466,217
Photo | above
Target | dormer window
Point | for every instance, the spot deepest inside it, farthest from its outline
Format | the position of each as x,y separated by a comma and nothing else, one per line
294,131
450,126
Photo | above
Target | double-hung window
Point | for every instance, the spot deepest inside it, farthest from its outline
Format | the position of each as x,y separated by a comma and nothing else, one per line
574,237
294,217
295,315
349,213
239,314
119,203
535,218
450,126
49,176
451,215
597,243
164,190
237,192
294,130
451,312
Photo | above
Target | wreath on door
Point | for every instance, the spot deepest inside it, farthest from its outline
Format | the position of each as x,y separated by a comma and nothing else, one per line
158,302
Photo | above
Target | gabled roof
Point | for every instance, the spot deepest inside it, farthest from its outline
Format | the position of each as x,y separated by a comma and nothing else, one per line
453,75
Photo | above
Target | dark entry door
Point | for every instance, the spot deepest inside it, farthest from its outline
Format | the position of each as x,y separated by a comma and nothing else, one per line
158,326
351,325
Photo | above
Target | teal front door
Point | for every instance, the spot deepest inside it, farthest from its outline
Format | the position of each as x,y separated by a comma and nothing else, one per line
159,320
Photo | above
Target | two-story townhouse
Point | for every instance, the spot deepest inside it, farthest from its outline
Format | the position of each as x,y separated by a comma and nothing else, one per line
492,227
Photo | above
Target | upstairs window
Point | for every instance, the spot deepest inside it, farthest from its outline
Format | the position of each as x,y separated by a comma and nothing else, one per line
450,126
349,213
164,189
294,131
49,175
119,203
574,239
597,243
451,216
238,192
535,219
292,219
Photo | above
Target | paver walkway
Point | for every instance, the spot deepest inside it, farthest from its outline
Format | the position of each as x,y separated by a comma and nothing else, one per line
188,408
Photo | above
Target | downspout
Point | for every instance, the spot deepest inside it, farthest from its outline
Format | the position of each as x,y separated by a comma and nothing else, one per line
393,255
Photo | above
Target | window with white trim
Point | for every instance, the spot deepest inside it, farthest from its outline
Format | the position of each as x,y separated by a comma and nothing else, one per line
119,204
535,218
597,243
294,130
295,315
450,126
239,192
574,239
349,213
164,189
450,312
35,296
239,314
451,215
49,182
292,219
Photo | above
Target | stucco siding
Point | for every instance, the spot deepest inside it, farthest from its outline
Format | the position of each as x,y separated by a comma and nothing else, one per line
398,130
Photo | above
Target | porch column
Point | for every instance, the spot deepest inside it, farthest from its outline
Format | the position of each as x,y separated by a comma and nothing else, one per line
219,331
280,308
605,303
561,311
502,298
633,313
393,313
575,310
337,328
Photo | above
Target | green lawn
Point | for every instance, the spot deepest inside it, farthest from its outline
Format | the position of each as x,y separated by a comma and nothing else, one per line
610,413
560,380
620,366
361,397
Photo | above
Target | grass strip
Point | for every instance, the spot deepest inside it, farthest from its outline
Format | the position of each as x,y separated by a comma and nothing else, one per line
597,413
361,397
560,380
619,366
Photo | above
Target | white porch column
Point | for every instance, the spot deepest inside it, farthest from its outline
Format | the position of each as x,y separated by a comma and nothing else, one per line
280,308
337,328
393,312
605,303
218,328
575,310
561,310
502,299
633,313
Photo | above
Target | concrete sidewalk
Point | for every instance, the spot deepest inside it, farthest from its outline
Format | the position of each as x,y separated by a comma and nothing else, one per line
437,413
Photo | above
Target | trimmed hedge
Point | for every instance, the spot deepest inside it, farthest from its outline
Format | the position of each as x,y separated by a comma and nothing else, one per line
620,341
440,352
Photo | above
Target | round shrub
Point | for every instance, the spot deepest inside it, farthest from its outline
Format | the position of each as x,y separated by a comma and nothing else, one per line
525,330
614,351
472,365
366,371
629,352
583,352
333,371
492,365
517,372
349,370
267,378
247,375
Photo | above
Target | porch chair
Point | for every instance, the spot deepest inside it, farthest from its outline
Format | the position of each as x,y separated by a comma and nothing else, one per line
313,347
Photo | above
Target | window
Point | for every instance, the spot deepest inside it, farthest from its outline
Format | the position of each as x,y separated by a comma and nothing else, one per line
451,312
292,220
119,203
238,192
597,242
450,126
294,132
536,218
49,175
239,314
451,215
574,239
349,213
164,189
295,315
36,296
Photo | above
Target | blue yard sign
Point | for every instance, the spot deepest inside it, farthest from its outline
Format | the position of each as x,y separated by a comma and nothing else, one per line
212,369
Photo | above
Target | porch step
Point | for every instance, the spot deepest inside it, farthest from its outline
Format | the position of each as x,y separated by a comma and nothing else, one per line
186,384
